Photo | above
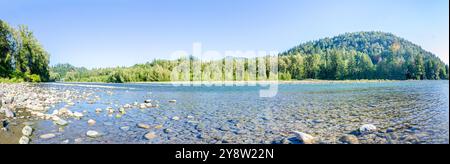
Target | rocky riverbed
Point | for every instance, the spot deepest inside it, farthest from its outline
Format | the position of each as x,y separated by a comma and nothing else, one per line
385,113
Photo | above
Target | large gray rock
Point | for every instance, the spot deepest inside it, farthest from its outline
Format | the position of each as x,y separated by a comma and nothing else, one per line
27,131
305,138
24,140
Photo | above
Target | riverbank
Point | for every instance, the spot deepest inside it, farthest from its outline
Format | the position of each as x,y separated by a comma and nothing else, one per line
309,81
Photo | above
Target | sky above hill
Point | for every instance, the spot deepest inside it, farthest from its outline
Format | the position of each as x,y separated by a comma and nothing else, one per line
108,33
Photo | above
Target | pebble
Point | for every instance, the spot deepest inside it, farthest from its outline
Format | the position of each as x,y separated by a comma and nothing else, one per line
47,136
150,135
91,122
93,134
143,126
125,128
172,101
78,114
176,118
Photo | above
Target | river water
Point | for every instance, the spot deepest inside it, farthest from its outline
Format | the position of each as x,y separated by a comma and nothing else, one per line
404,112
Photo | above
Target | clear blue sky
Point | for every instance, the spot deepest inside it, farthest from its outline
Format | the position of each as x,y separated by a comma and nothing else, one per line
105,33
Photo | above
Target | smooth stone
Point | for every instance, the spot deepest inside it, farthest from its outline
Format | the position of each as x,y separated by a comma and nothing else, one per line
47,136
93,134
176,118
98,110
24,140
61,122
122,110
305,138
147,101
91,122
367,128
78,114
158,126
150,135
27,131
349,139
172,101
125,128
143,126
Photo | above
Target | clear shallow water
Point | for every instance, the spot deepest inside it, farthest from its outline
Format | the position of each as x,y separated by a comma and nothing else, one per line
414,111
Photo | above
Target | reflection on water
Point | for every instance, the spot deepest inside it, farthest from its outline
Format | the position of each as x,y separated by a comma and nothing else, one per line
404,112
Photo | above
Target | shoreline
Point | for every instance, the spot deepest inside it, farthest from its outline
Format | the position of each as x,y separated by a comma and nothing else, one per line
250,82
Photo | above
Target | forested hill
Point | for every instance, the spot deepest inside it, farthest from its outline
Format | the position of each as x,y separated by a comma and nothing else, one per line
362,55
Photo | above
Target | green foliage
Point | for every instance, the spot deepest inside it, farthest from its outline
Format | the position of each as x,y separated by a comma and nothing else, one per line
361,55
33,78
21,55
367,55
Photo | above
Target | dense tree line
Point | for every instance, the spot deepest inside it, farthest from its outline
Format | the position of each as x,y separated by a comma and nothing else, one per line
362,55
22,58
